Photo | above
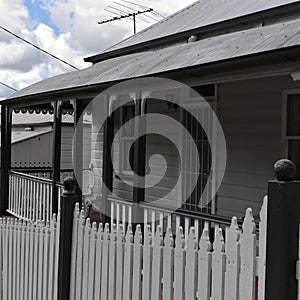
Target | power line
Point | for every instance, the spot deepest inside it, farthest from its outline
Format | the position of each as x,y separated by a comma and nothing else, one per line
37,47
8,86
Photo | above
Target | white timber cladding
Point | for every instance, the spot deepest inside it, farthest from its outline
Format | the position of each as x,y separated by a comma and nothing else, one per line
99,108
250,112
183,269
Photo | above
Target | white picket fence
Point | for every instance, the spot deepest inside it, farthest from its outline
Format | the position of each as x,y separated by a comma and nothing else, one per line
117,265
28,259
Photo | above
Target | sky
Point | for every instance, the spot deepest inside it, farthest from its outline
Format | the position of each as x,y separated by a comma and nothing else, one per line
67,29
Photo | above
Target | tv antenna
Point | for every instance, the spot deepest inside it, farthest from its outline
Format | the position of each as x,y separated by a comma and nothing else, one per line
132,11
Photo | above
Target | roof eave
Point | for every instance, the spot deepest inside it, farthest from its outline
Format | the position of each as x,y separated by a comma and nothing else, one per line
269,58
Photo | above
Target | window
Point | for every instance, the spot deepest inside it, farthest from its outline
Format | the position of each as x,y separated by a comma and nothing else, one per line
127,137
206,151
292,128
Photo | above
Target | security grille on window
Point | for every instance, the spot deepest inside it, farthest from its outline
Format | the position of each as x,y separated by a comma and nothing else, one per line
207,158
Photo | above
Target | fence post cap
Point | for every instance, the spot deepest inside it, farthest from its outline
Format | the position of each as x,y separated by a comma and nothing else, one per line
69,186
285,170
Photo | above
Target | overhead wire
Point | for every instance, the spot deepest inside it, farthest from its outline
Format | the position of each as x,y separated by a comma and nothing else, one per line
8,86
37,47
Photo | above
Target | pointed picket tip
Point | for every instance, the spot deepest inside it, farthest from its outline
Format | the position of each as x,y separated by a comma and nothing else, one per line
249,224
148,235
94,226
169,239
106,228
100,231
158,237
129,234
121,228
159,230
88,223
191,240
114,228
120,233
82,217
106,233
77,210
233,232
219,244
114,232
54,218
204,243
138,236
264,209
180,242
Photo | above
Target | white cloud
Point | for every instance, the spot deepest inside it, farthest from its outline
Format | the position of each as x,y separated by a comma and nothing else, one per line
78,36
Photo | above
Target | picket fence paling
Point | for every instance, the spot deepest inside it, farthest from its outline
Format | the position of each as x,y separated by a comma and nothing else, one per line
28,259
125,265
232,252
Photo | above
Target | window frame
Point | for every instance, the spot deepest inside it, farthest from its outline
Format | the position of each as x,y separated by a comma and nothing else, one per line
284,137
193,102
123,137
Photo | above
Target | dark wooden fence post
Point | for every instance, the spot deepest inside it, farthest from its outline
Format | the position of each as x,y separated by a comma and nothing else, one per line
282,233
68,202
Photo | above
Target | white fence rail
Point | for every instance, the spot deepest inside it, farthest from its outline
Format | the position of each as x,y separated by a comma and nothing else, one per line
30,197
117,265
28,260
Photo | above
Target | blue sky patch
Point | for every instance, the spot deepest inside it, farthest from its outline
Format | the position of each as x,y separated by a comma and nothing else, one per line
40,15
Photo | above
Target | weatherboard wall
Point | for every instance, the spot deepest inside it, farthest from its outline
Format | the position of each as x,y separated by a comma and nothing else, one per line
250,112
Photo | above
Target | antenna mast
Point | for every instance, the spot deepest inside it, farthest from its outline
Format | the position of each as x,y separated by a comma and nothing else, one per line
132,13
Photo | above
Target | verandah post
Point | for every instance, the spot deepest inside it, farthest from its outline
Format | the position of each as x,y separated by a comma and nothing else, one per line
68,202
282,233
6,115
56,154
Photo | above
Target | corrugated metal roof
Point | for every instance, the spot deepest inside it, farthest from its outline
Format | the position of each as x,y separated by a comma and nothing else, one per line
19,136
200,14
215,49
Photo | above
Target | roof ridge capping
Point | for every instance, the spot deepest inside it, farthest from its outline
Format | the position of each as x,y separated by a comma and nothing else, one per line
202,20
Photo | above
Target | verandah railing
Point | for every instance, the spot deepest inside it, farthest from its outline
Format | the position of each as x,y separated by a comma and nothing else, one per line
44,172
121,214
30,197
